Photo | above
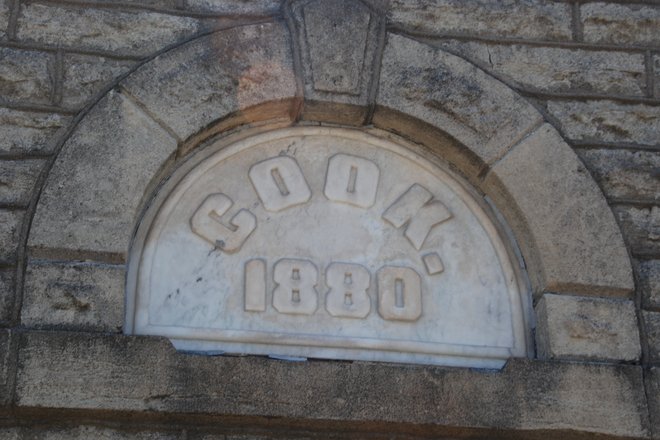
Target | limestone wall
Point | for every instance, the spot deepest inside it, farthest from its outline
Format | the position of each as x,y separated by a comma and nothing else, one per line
121,92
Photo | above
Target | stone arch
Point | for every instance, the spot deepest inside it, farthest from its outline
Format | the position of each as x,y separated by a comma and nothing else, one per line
254,75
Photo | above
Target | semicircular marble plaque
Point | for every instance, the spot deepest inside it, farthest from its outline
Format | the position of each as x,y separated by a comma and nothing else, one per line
326,243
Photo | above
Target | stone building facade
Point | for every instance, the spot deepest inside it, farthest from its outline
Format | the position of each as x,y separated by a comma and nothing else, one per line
548,110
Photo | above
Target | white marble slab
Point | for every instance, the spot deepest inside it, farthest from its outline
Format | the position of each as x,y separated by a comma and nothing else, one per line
329,243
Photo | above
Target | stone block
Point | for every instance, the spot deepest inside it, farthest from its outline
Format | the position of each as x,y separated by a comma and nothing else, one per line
87,205
453,95
555,69
231,70
4,17
102,372
546,189
652,382
338,41
625,174
233,7
571,327
26,76
17,180
641,227
656,72
78,296
85,76
652,326
7,365
30,132
10,232
648,276
521,19
102,29
633,24
607,121
7,288
60,431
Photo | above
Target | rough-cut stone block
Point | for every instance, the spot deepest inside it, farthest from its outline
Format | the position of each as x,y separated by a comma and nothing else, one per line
128,32
7,365
81,432
85,76
554,69
453,95
234,7
218,75
656,71
17,180
652,382
521,19
546,189
652,326
572,327
648,276
26,76
625,174
78,370
621,23
30,132
338,41
641,227
93,192
7,287
4,17
607,121
10,230
77,296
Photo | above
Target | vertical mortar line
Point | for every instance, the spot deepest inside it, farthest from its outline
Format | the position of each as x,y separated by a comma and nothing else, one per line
375,71
650,73
12,24
58,80
576,22
287,12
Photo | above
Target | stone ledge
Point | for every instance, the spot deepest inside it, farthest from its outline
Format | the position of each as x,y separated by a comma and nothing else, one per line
79,371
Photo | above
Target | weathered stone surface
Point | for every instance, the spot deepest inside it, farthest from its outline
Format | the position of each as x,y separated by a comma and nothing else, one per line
641,227
338,41
652,382
81,432
234,7
7,287
127,32
26,76
546,188
4,17
520,19
30,132
554,69
607,121
231,70
93,192
7,365
85,76
656,70
10,229
17,180
77,370
652,325
621,23
453,95
625,174
76,296
572,327
648,276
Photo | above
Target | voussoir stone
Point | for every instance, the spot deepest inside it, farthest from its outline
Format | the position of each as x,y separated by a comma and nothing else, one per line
453,95
102,372
80,296
572,327
547,189
218,75
92,194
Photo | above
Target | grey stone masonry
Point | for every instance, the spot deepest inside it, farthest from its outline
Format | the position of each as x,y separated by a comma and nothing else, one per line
25,132
641,227
83,432
625,174
7,365
7,286
102,372
17,180
652,380
652,326
102,29
234,7
607,121
79,296
556,69
656,73
4,17
26,76
10,229
531,19
631,24
648,275
571,327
